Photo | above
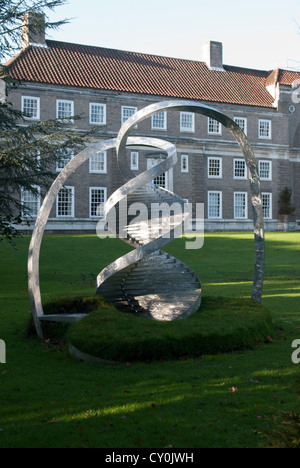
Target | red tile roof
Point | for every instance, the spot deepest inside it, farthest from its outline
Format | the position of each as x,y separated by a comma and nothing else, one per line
75,65
284,77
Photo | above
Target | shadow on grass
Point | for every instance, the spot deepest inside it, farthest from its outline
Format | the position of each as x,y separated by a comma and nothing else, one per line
168,407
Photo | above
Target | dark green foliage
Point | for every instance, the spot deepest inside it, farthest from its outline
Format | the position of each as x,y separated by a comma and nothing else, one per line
285,202
27,160
287,432
28,152
286,428
74,305
221,325
11,14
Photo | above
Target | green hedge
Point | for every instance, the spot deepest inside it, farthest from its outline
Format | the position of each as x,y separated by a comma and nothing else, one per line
221,325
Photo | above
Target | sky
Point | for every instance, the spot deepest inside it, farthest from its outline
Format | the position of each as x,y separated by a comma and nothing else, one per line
261,34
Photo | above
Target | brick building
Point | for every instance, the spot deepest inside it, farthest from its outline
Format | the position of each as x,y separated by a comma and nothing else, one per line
106,86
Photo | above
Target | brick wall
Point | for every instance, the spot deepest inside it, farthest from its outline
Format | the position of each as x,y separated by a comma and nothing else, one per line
198,145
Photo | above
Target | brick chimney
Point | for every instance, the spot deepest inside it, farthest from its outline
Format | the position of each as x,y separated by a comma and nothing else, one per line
33,29
212,55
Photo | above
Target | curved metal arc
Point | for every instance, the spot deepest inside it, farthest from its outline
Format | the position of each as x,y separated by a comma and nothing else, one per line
129,125
150,174
40,224
188,106
242,140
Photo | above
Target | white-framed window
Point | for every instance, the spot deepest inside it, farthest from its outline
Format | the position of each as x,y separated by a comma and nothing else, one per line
265,129
242,123
267,205
98,197
187,122
64,156
184,163
31,201
239,169
64,109
31,107
214,205
240,205
127,112
65,203
134,160
159,121
214,127
162,180
265,170
214,168
97,114
98,163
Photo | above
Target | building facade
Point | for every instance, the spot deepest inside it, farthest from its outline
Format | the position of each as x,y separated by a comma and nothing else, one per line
107,86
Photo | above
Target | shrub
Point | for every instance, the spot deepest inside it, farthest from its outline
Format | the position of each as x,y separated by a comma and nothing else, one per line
221,325
287,434
285,202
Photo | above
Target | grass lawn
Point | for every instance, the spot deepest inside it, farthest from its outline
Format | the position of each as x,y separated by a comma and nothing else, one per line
48,399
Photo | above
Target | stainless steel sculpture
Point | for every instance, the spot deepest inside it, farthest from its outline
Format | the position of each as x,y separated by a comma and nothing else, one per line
147,280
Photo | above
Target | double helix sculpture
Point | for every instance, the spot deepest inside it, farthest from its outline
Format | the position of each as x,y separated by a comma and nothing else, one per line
147,281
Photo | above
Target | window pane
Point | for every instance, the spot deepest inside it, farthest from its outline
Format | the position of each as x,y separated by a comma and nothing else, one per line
214,167
187,121
240,205
267,205
160,180
65,202
239,169
97,200
64,109
98,162
127,112
184,163
97,114
31,203
30,108
241,123
214,126
214,205
134,160
264,170
159,121
264,129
